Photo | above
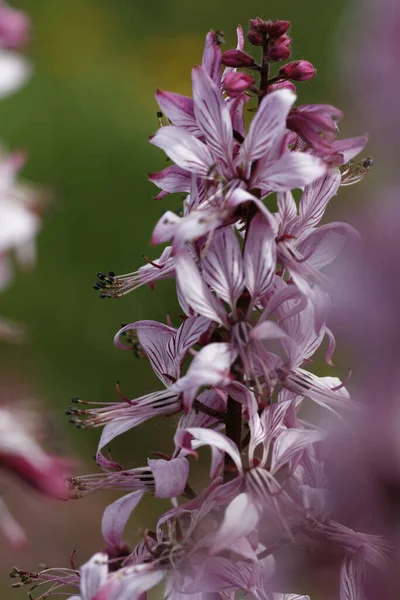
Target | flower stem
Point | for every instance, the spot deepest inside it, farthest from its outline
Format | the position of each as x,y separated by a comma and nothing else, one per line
233,424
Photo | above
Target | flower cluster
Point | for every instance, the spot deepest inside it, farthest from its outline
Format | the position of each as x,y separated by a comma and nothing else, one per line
255,300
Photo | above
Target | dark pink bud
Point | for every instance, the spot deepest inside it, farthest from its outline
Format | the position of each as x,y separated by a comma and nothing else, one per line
278,28
279,52
281,85
298,70
255,38
259,25
237,58
237,83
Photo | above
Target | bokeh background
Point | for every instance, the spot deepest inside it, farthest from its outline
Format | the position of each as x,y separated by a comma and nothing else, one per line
84,119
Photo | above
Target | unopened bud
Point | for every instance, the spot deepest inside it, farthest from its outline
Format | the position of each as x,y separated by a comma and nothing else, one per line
259,25
278,28
255,38
281,85
279,52
298,70
237,83
237,58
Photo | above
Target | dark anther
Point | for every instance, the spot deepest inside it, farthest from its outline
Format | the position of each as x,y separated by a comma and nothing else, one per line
68,412
367,162
75,399
96,286
159,114
111,274
101,276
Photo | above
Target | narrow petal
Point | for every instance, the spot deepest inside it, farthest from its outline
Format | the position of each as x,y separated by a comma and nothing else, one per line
170,476
240,519
323,245
287,210
316,197
292,170
179,110
259,258
223,266
211,366
350,147
186,336
289,443
172,179
195,291
116,515
184,149
212,115
268,125
212,58
154,338
352,574
93,575
195,437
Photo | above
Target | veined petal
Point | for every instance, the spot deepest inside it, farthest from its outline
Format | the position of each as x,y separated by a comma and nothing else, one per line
179,110
223,266
259,258
184,149
154,338
287,210
195,291
267,126
289,443
212,58
93,575
116,515
352,574
172,179
212,115
316,197
292,170
186,336
194,437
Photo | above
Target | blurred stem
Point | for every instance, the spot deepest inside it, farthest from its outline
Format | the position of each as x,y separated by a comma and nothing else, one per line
233,424
264,70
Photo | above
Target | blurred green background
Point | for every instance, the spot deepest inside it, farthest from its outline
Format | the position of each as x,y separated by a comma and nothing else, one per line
84,119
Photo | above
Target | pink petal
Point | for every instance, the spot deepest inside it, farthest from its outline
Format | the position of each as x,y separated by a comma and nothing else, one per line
349,148
212,58
240,519
259,258
165,228
289,443
184,149
186,336
93,575
211,366
352,574
154,338
196,293
323,245
170,476
223,266
287,210
179,110
172,179
116,515
316,197
292,170
212,115
268,125
194,437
